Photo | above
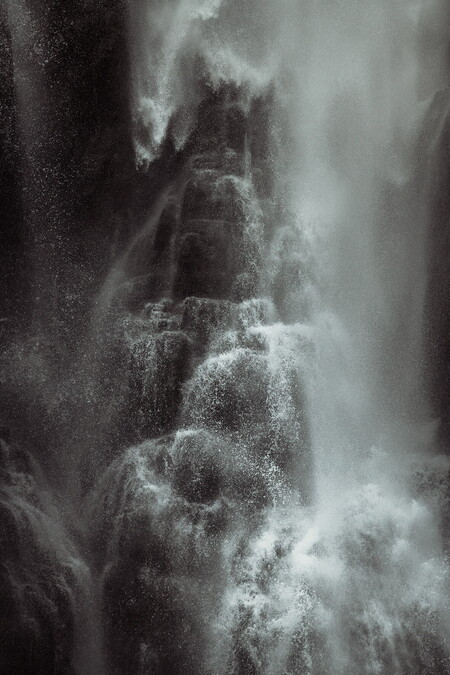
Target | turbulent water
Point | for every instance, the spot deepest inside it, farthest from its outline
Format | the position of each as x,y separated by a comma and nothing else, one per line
228,451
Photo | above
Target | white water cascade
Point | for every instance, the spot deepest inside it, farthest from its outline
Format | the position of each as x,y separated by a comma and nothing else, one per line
362,583
248,476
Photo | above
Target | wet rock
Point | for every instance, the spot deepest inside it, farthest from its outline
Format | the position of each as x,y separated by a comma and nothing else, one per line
196,470
235,128
198,267
227,162
211,196
150,263
158,543
160,316
205,260
205,317
147,623
245,286
221,122
36,595
159,365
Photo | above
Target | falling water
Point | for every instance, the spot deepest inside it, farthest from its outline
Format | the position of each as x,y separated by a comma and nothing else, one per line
348,539
250,480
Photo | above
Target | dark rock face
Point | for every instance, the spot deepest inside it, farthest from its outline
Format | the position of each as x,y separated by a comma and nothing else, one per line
66,164
163,513
158,368
203,317
37,583
226,427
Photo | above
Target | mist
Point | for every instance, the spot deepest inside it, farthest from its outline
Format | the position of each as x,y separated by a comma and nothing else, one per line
224,364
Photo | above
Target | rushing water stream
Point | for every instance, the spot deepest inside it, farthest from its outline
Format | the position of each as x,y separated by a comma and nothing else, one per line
236,466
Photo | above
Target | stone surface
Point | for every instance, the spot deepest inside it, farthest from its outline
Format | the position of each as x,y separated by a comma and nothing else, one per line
36,584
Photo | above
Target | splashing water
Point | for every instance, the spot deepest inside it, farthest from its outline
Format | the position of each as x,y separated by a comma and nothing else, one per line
273,501
357,581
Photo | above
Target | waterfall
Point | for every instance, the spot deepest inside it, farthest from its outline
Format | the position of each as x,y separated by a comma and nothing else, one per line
231,453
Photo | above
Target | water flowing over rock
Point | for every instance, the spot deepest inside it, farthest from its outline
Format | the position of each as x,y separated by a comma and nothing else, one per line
224,391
